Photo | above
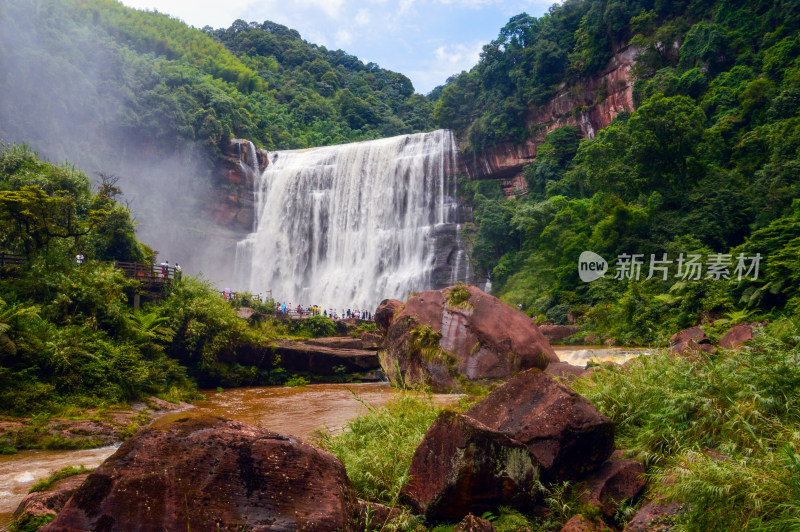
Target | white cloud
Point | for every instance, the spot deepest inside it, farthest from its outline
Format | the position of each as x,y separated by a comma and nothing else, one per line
443,63
343,38
362,17
459,54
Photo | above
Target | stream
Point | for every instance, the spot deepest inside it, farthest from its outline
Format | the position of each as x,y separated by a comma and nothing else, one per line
298,411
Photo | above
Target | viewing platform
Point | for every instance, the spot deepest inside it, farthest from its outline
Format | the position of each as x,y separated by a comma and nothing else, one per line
153,277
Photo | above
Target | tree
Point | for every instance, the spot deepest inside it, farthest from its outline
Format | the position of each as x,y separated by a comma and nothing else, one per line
31,218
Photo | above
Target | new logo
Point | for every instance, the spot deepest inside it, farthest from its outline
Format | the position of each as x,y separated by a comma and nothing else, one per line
591,266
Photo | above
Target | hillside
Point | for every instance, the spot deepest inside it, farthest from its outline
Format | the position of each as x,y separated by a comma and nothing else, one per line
155,102
699,156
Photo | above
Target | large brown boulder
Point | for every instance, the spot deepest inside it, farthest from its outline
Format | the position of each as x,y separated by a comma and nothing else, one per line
690,340
50,501
443,337
613,483
564,431
464,467
386,311
210,473
738,335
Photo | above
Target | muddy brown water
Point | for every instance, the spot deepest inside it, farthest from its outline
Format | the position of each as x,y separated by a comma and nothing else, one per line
298,412
580,355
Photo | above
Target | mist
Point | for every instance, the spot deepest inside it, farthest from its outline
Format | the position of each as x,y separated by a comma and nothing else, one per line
73,94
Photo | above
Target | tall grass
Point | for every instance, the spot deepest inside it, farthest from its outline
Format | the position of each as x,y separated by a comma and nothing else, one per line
376,448
720,432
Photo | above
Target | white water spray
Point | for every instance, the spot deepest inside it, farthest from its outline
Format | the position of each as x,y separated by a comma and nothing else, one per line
347,226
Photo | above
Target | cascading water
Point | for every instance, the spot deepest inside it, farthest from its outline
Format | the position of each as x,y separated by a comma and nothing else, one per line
346,226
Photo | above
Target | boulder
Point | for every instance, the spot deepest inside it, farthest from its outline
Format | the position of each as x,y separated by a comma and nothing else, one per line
564,431
690,340
210,473
579,523
558,333
443,337
386,311
51,501
471,523
371,340
462,466
614,482
738,335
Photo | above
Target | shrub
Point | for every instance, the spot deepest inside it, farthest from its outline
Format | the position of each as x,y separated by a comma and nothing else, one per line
719,431
376,448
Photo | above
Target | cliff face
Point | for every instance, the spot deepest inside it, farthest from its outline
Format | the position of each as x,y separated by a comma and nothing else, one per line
231,204
589,106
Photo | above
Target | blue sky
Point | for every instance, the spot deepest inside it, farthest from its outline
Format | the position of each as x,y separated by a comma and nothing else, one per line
427,40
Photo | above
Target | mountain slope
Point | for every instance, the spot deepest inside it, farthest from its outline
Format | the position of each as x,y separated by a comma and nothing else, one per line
702,158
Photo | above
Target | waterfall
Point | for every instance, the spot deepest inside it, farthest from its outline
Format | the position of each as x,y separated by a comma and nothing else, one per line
347,226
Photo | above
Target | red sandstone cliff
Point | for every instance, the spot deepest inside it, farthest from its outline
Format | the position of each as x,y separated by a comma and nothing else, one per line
231,205
590,106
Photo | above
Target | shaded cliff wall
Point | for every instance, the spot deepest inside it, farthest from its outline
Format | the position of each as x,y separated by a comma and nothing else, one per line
232,203
590,106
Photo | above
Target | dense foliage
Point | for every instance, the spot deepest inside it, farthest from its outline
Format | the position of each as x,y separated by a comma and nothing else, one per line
148,81
69,336
719,431
533,57
707,164
67,333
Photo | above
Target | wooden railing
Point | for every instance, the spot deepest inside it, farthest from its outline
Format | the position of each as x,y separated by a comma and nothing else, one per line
11,259
149,274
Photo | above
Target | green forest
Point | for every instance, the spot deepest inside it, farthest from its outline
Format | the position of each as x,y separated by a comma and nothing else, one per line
157,82
706,164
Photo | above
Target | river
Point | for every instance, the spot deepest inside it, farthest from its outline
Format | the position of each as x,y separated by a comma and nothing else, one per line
298,411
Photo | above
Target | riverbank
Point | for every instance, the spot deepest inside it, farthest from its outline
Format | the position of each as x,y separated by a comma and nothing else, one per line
87,429
293,411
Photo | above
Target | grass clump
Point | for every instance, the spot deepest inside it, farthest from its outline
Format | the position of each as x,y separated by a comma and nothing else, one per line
376,448
30,523
44,484
296,380
458,297
720,432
